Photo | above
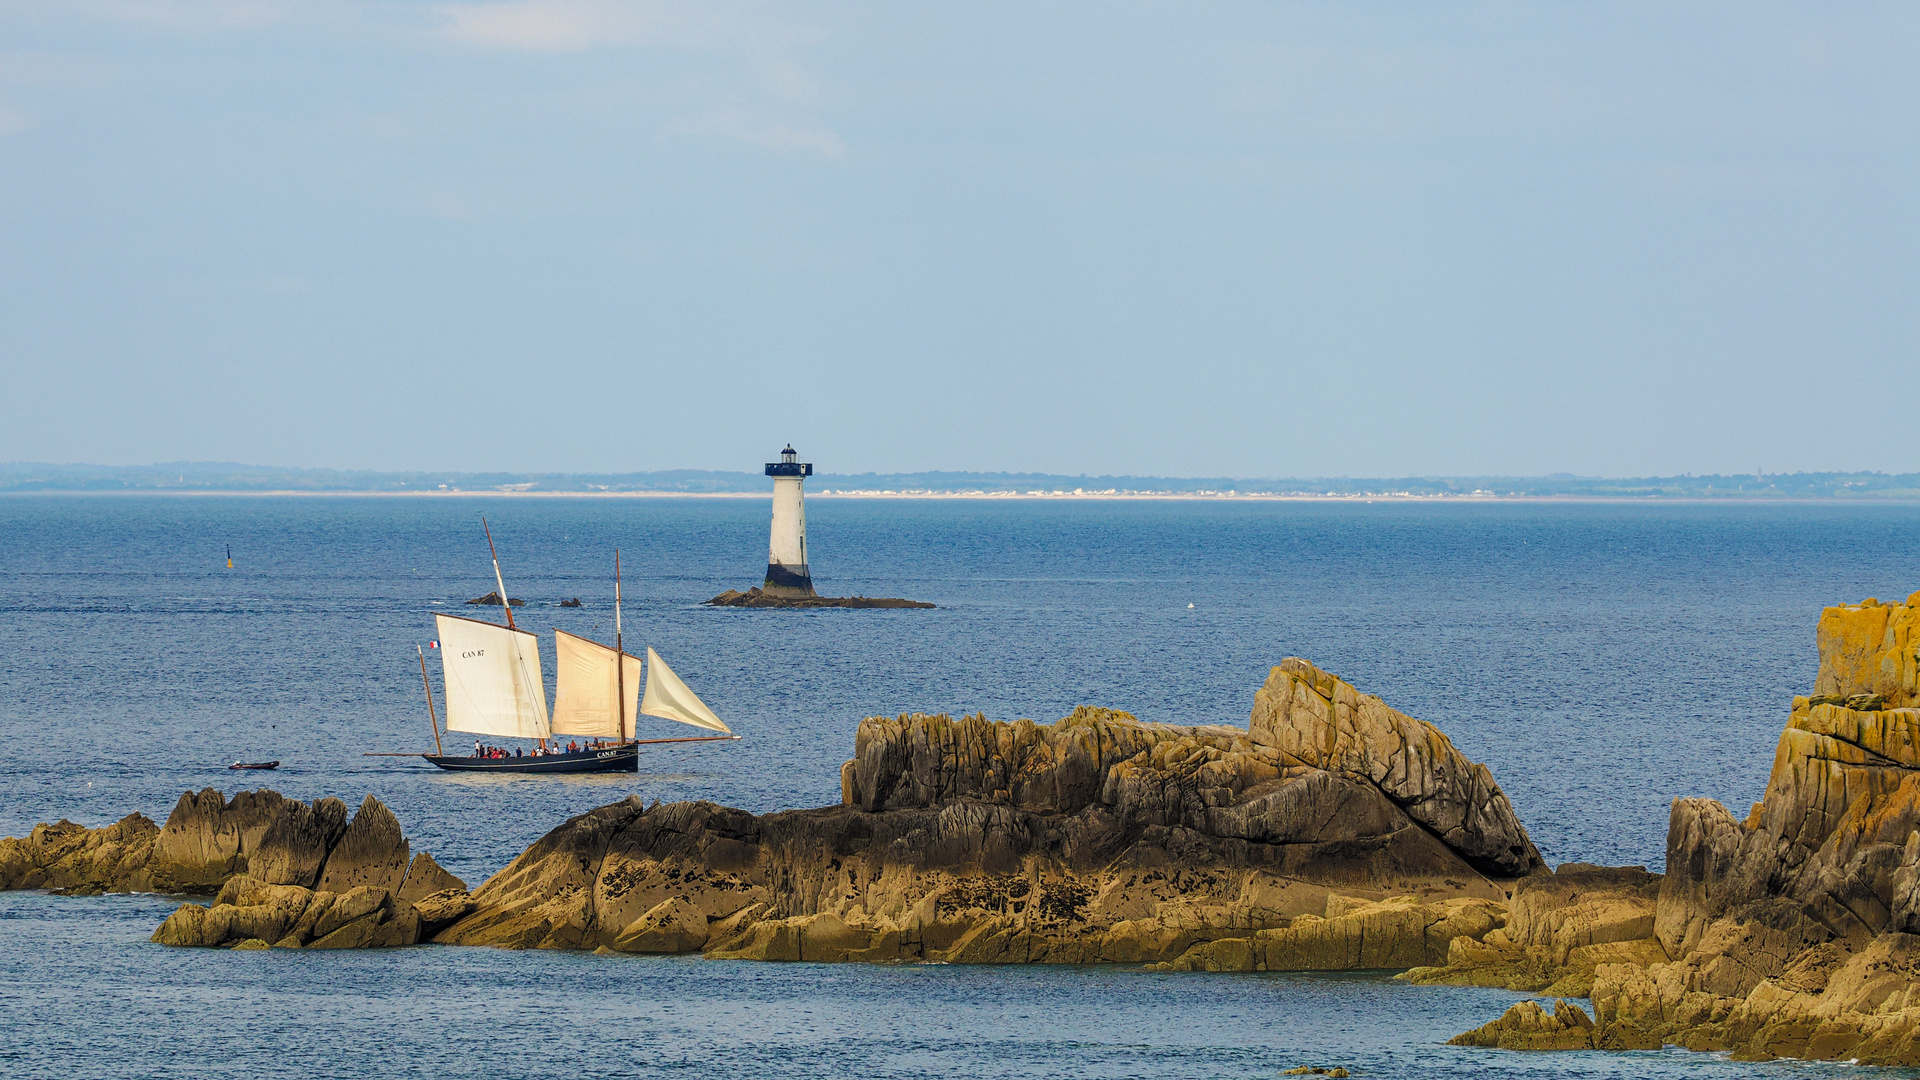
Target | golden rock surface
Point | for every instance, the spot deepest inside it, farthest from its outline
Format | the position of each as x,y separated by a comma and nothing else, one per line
1331,833
1790,933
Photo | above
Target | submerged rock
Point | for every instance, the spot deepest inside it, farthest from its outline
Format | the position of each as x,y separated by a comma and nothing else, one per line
492,599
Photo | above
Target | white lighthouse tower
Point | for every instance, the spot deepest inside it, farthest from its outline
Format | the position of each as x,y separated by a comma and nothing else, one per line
787,551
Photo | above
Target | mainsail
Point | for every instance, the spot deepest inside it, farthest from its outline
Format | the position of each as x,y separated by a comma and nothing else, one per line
586,686
492,679
669,698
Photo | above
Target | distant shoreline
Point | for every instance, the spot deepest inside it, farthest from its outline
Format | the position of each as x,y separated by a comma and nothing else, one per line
987,496
229,478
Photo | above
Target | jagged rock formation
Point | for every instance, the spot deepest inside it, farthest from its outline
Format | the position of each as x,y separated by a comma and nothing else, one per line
757,597
75,859
362,889
1790,933
1560,928
1317,720
1527,1026
282,871
252,913
207,839
1333,832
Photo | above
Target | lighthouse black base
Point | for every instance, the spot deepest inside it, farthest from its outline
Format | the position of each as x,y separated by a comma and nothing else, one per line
789,581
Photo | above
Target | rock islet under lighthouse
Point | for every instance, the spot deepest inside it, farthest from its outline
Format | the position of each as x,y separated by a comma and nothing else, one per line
789,581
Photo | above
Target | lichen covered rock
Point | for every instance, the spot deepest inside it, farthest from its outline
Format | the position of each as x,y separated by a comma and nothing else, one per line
1789,933
1095,839
1527,1026
209,839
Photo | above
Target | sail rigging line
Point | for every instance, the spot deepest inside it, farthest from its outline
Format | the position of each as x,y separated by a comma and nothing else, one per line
620,669
506,605
433,718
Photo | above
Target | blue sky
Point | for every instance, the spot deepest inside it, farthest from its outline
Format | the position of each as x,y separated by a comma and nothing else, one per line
1253,239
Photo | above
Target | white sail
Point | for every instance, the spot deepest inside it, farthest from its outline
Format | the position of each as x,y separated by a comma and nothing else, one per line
670,699
493,679
585,686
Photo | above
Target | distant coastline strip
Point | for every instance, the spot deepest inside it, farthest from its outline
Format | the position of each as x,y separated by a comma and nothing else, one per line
213,478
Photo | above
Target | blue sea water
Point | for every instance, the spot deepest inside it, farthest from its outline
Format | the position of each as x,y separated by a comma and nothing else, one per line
1601,658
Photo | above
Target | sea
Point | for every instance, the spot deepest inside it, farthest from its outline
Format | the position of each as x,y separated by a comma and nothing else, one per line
1602,658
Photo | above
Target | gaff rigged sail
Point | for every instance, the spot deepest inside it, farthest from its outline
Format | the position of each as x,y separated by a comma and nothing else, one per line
492,679
586,685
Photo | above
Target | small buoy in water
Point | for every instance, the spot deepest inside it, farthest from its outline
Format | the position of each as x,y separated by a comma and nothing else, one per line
1189,605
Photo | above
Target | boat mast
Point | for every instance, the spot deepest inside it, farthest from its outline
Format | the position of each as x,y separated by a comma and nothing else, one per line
619,656
505,605
433,718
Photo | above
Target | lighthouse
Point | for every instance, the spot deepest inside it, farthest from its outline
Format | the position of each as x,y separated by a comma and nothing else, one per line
787,551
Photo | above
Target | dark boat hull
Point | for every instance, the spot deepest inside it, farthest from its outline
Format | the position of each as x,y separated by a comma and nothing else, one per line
617,759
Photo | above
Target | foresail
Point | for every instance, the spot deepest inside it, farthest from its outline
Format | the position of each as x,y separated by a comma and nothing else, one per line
586,685
492,679
670,699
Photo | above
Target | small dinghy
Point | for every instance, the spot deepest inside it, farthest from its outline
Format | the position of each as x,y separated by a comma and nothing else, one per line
254,765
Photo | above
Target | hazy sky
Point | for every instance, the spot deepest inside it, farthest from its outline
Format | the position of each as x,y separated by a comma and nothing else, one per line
1251,239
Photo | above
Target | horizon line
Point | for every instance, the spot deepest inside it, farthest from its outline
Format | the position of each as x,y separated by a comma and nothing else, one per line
236,479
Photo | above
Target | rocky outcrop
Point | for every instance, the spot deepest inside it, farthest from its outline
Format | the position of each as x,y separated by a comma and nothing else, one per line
371,852
492,599
210,840
1790,932
757,597
1096,838
247,911
1559,929
73,858
1331,833
1527,1026
1317,720
360,890
1400,932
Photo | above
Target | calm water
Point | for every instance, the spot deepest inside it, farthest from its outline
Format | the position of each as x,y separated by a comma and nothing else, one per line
1602,659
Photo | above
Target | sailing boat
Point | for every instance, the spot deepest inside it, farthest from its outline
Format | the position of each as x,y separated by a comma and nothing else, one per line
492,676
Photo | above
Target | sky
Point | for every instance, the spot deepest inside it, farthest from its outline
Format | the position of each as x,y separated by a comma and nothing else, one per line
1175,239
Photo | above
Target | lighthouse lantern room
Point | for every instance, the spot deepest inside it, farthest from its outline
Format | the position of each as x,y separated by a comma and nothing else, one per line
787,551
